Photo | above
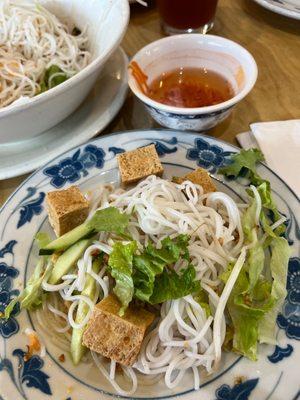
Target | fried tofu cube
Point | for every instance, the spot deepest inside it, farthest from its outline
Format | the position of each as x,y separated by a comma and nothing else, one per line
115,337
200,177
138,164
67,209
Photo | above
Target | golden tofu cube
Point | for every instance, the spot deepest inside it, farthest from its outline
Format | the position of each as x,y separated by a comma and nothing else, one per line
115,337
138,164
200,177
67,209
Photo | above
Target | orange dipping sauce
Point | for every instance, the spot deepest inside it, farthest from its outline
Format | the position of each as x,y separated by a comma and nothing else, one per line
190,87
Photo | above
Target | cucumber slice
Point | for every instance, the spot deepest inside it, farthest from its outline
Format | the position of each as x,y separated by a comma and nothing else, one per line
77,348
66,261
67,240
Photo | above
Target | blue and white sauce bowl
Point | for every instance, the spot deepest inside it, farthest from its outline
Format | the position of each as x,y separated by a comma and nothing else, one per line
214,53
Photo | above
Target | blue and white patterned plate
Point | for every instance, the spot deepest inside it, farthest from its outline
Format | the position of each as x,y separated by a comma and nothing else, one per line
289,8
274,376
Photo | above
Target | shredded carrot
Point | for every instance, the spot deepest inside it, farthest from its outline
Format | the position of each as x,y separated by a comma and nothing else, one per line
140,77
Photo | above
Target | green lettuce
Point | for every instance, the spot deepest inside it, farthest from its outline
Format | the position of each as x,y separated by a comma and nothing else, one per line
255,265
247,306
120,267
201,297
150,276
170,285
248,220
32,295
268,204
255,300
48,82
109,219
259,291
153,261
279,266
244,164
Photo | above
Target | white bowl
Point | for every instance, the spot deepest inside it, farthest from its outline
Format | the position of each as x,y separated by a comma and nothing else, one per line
106,21
195,50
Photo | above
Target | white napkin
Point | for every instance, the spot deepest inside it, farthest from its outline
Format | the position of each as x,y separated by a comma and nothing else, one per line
280,143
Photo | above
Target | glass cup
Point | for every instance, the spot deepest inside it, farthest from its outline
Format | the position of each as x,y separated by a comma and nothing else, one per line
187,16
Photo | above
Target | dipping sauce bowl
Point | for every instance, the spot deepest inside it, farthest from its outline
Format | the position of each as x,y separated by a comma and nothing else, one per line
209,52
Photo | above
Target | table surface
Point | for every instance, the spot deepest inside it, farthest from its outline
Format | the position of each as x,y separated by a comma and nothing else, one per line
273,40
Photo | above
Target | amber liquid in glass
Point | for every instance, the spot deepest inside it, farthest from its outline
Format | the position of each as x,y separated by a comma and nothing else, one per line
187,14
190,87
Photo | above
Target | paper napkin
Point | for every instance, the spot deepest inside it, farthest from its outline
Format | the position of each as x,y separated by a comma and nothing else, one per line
280,143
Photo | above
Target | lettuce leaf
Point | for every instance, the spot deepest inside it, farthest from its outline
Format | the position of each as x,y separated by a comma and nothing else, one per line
201,297
268,204
279,267
244,164
150,276
255,265
249,301
120,267
32,295
153,261
170,285
248,219
244,325
259,292
255,301
109,219
246,308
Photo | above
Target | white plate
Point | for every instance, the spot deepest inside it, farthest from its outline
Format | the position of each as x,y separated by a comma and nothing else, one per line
94,114
289,8
275,376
